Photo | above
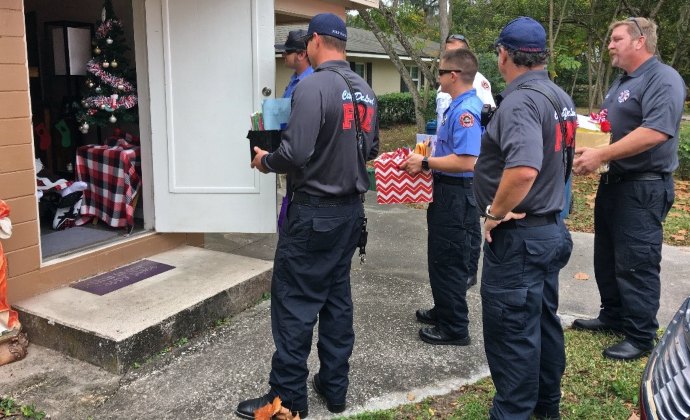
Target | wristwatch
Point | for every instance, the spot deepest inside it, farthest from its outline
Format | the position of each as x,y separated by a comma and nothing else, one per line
425,163
488,215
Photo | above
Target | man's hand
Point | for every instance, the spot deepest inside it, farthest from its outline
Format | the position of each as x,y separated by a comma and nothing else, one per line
413,164
256,163
587,160
490,224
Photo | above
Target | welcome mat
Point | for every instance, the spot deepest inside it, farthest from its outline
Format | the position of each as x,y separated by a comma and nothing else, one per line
121,277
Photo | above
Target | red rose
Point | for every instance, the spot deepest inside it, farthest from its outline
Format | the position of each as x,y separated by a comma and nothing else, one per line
606,126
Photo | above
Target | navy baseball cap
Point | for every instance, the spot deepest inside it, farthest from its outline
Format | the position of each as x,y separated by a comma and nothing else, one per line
327,24
294,41
523,34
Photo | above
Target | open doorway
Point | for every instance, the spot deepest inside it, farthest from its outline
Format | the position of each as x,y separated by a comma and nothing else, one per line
84,112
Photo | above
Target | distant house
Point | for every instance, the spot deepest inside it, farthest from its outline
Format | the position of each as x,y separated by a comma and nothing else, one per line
367,57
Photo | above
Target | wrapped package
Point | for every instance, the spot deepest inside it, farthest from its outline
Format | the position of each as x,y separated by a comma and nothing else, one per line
394,185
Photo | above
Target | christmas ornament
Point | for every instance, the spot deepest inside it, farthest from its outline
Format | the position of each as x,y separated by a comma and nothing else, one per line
109,41
90,84
120,87
98,89
113,64
102,106
112,119
97,51
84,128
83,103
106,64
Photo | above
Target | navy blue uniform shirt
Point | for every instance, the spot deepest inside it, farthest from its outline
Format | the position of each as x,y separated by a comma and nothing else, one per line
524,131
652,97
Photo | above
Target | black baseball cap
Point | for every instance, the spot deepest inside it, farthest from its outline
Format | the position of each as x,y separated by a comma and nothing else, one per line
294,42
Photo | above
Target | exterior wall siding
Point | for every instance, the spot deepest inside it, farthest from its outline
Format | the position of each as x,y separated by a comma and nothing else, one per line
385,77
17,177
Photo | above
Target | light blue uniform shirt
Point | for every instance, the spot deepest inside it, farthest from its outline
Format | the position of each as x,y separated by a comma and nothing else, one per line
460,130
294,79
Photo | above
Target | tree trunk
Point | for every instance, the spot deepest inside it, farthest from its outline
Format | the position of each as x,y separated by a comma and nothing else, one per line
603,78
444,22
551,40
404,73
681,29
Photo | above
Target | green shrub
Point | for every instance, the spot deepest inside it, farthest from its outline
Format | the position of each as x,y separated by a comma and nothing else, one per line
398,108
683,171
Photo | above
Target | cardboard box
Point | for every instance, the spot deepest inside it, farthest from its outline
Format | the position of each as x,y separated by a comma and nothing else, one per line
589,138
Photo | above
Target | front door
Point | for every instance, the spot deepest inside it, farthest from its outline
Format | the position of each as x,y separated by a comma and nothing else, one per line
210,63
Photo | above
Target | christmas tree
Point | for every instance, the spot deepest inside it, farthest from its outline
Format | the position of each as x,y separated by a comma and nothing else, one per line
110,94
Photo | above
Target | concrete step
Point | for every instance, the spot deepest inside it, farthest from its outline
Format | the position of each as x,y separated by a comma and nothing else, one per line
130,324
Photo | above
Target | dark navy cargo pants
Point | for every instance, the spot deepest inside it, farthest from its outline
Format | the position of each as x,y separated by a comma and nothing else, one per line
523,337
475,244
628,234
311,278
449,219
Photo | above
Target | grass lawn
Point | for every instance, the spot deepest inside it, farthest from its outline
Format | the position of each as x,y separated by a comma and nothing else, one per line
592,387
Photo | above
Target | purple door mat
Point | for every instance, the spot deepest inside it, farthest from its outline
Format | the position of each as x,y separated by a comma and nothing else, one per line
121,277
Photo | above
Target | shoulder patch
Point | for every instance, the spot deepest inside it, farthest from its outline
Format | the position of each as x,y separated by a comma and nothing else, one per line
485,84
466,120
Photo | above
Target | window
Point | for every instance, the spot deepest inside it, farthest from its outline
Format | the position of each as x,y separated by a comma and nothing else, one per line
361,69
416,76
364,70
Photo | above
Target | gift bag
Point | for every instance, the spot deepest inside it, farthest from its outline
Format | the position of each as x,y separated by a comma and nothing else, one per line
393,185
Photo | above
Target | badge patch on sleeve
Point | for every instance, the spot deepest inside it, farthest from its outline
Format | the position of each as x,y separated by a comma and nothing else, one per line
467,120
485,84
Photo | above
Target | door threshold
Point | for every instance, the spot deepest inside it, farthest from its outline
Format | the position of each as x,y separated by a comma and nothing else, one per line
98,247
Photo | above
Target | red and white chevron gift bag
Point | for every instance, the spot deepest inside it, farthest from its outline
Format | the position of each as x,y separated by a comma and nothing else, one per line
393,185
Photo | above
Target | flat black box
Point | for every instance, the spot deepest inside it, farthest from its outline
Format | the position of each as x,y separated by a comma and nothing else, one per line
268,140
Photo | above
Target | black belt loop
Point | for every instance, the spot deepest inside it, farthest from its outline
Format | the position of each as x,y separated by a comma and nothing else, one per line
316,201
530,220
453,180
609,178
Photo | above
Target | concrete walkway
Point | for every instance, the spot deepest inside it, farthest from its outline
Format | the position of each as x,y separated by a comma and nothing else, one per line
207,377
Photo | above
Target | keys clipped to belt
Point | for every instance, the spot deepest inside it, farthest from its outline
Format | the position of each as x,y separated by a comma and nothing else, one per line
362,244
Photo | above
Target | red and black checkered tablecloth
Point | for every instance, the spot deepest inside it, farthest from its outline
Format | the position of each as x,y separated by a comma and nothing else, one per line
113,176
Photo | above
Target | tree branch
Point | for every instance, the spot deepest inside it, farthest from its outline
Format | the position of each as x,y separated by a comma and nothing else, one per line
390,18
397,62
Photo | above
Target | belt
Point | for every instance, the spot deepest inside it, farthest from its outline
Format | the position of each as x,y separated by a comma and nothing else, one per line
609,178
453,180
316,201
530,220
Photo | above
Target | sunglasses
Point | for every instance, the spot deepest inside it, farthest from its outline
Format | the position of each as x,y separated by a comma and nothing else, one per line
633,20
456,37
441,72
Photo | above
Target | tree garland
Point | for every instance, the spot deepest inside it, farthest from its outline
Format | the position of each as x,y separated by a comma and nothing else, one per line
115,82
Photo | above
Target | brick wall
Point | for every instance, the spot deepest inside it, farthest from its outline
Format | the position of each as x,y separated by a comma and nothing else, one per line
17,179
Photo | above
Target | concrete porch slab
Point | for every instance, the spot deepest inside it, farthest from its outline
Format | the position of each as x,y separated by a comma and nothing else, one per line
127,325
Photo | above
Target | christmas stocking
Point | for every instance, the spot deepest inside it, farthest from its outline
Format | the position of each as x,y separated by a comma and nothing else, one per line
62,127
43,135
